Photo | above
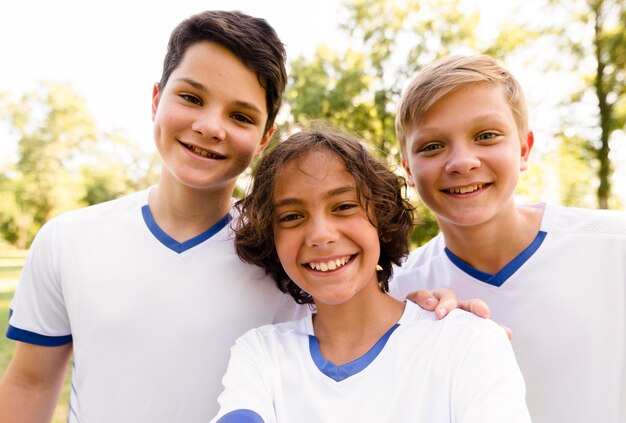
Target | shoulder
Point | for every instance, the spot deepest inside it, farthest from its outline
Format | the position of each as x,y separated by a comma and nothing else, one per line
95,217
128,203
424,254
575,220
456,320
450,339
427,267
276,333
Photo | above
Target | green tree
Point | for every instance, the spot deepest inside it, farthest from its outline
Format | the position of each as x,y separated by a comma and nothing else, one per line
115,166
50,124
358,89
63,162
595,35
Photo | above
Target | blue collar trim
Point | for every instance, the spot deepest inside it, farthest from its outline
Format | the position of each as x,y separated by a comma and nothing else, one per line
339,373
507,271
171,243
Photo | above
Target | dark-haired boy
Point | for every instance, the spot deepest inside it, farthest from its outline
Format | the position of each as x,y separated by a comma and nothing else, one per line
146,291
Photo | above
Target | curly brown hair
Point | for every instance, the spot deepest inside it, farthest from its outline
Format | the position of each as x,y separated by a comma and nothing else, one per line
379,189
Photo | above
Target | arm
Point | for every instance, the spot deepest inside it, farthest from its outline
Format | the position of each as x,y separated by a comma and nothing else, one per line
31,385
247,396
442,301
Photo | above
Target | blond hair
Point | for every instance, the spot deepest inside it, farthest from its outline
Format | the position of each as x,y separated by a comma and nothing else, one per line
446,75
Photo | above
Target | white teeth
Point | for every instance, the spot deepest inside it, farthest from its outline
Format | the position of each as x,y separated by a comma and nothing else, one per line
325,266
465,190
200,151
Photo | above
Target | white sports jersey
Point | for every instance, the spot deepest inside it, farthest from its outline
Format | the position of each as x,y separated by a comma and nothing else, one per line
564,297
459,369
151,320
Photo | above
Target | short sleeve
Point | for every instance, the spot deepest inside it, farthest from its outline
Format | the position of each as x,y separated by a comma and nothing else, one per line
247,383
38,313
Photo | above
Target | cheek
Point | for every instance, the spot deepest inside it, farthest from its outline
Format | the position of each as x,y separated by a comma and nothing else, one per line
164,122
283,246
423,180
245,149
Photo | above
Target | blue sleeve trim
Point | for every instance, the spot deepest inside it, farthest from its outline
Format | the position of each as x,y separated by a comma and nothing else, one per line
241,416
29,337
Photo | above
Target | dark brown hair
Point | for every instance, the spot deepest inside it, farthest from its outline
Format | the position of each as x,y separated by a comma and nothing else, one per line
251,39
381,192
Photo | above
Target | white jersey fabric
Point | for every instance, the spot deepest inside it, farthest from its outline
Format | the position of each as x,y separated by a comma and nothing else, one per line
564,297
459,369
151,320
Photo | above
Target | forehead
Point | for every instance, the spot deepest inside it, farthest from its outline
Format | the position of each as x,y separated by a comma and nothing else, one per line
469,102
315,169
220,71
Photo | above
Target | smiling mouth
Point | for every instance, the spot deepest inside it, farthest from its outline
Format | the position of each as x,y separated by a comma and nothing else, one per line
201,152
465,190
330,265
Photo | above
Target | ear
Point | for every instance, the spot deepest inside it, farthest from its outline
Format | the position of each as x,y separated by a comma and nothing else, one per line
527,146
155,99
409,176
265,141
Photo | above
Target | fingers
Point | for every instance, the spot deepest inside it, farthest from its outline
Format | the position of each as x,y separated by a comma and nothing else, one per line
477,307
509,332
440,301
481,309
448,301
424,299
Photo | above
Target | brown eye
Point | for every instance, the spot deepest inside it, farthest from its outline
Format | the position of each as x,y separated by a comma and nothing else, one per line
242,118
191,99
431,147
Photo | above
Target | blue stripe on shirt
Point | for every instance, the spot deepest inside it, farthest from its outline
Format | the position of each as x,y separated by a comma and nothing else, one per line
240,416
29,337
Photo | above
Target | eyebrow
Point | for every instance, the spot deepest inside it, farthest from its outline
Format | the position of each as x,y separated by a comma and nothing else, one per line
489,116
329,194
480,120
239,103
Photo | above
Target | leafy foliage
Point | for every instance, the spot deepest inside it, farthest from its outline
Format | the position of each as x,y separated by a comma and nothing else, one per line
602,53
63,162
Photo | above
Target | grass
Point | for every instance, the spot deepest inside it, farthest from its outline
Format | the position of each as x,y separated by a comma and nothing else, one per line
11,263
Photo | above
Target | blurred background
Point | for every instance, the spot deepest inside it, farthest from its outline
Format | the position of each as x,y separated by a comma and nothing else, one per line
76,82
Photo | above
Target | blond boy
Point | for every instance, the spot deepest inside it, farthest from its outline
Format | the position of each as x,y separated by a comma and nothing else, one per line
555,275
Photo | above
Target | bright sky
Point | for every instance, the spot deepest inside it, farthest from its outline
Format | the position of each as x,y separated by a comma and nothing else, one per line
111,52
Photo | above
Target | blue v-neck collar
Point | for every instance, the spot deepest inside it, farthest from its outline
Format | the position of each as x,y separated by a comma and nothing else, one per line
507,271
339,373
171,243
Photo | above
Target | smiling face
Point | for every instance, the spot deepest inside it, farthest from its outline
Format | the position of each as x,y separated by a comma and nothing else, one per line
465,156
209,119
323,237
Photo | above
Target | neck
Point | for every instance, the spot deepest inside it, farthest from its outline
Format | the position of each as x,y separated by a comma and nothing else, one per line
491,246
347,331
183,212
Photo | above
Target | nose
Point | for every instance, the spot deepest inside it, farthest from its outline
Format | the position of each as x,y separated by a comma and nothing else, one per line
462,159
210,124
320,231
